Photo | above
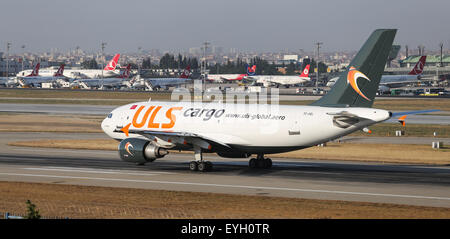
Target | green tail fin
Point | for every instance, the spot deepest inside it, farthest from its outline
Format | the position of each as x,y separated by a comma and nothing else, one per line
357,86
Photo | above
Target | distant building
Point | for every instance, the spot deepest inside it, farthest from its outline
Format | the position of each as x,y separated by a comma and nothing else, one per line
14,65
432,60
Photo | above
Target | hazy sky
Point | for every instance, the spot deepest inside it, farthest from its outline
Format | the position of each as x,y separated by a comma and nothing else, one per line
248,25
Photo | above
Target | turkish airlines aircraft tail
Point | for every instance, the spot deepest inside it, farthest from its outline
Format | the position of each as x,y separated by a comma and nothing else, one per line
126,72
60,71
186,73
357,86
305,71
251,71
418,68
35,71
112,63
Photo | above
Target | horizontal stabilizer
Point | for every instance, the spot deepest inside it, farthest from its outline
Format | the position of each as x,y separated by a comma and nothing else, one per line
397,114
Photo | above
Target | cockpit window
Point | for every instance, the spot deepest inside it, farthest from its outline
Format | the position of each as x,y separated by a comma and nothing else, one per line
110,115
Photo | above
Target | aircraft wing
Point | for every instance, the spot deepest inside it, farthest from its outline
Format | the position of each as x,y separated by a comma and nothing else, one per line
171,138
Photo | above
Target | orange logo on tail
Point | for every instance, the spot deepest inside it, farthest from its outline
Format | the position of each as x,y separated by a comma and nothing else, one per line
352,76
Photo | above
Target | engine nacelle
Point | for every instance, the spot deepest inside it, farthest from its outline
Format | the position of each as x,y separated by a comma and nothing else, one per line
233,154
140,151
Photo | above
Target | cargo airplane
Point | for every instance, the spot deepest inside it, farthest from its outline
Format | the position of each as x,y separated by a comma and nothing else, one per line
147,130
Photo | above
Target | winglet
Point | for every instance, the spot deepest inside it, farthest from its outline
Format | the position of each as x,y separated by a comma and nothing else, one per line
402,120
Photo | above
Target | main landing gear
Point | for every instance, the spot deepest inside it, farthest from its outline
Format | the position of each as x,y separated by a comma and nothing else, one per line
199,164
260,162
204,166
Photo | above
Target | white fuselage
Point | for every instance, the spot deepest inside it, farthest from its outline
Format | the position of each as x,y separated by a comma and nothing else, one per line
224,77
161,82
36,80
390,81
280,80
46,72
398,80
90,73
246,127
72,73
93,83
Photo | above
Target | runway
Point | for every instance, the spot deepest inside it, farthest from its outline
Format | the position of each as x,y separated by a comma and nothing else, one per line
297,178
104,110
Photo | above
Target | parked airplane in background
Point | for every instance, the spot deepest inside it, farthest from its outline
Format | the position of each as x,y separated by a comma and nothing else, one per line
49,71
34,79
231,77
146,130
108,71
5,81
393,81
268,80
163,83
113,82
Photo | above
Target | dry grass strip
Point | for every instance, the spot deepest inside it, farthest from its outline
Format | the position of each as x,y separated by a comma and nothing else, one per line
71,201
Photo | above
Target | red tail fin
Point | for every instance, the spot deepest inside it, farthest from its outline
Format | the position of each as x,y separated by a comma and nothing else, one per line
251,71
35,71
418,68
60,71
112,63
305,71
186,72
126,72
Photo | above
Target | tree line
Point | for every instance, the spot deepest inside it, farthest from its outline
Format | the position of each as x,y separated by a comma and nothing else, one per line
263,67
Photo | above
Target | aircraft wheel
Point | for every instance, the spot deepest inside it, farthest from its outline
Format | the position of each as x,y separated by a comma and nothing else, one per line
252,163
193,166
268,163
202,166
261,163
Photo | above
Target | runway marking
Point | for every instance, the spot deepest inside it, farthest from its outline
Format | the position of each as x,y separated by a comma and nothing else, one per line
309,172
234,186
91,170
55,150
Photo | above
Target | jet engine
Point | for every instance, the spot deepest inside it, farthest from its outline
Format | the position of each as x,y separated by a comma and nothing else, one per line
140,151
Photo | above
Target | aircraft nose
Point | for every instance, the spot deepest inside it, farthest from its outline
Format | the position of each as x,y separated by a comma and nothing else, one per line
105,126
